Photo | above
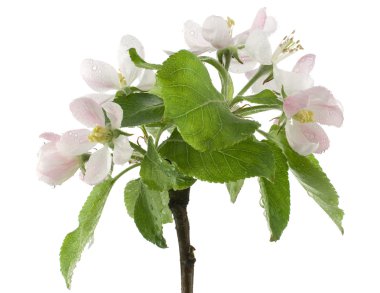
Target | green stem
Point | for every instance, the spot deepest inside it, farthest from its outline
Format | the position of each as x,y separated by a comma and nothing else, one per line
125,171
137,148
263,69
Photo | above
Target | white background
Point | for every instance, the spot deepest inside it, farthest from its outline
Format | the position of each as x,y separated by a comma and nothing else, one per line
41,46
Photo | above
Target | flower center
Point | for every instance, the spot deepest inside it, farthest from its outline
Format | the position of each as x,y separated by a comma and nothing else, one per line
100,134
287,47
304,116
123,82
230,22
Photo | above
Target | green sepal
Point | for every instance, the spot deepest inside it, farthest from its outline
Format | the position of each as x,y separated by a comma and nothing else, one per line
141,63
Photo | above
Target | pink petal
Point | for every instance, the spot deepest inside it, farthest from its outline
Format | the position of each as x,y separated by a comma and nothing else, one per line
75,142
194,38
88,112
147,81
259,48
216,31
50,136
305,64
295,103
53,167
98,166
100,99
114,113
127,67
99,75
314,133
122,150
302,141
260,20
327,110
291,81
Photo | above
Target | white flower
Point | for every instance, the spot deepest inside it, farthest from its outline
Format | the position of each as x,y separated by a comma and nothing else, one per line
80,141
102,77
53,166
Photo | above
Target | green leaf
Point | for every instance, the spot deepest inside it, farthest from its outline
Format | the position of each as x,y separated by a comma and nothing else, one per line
150,213
132,192
276,195
158,174
76,241
245,111
140,108
225,77
194,105
248,158
311,176
265,97
234,188
139,62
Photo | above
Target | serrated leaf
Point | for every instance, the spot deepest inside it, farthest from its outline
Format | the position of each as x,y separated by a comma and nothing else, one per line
311,176
199,111
148,214
234,188
140,109
76,241
158,174
248,158
276,195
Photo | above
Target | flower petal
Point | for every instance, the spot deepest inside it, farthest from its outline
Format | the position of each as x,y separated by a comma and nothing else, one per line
114,113
50,136
295,103
258,47
270,25
327,110
100,98
53,167
88,112
147,81
127,67
98,166
215,30
259,85
99,75
248,63
295,134
314,133
193,37
305,64
122,151
292,82
260,20
75,142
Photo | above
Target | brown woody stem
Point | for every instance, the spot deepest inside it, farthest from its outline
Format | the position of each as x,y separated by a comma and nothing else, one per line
178,205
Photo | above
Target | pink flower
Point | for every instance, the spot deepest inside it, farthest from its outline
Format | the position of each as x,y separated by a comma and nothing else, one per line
80,141
54,167
102,77
305,111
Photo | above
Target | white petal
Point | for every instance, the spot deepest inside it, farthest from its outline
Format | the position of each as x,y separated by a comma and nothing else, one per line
88,112
147,81
122,151
75,142
98,166
50,136
305,64
114,113
291,81
216,31
53,167
194,38
297,140
270,25
127,67
99,75
100,98
259,85
248,63
260,20
259,48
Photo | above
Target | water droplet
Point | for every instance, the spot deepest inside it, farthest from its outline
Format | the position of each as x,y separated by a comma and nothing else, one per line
192,33
94,67
91,242
261,202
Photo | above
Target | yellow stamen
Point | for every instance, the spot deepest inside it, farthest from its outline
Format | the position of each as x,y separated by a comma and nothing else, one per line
304,116
123,82
230,22
100,134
